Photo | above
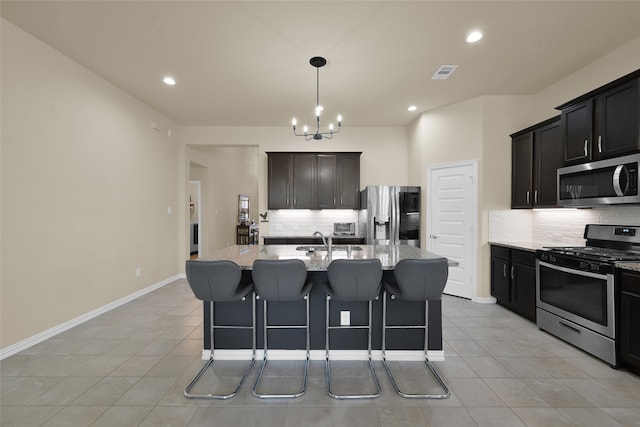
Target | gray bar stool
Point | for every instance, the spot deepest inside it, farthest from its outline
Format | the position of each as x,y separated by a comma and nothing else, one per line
281,280
352,281
417,280
219,281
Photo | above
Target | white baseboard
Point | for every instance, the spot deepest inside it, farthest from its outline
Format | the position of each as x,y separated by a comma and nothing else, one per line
51,332
392,355
484,300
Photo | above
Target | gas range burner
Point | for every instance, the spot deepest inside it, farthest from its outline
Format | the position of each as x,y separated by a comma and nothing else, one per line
596,253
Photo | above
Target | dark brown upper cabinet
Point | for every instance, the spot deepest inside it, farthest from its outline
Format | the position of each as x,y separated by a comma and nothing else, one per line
280,180
603,123
313,180
304,181
536,155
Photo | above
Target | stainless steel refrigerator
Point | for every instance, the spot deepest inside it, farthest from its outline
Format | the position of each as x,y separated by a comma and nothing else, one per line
390,215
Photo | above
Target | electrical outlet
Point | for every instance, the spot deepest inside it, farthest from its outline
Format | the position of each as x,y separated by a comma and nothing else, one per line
345,318
138,272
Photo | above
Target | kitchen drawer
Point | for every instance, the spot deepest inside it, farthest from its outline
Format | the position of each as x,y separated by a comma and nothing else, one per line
524,257
592,342
630,282
500,252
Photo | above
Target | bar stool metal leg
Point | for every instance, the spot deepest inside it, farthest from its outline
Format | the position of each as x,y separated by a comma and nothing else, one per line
210,362
263,365
378,391
428,363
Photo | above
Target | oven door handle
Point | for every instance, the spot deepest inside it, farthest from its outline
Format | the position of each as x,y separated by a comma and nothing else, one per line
573,270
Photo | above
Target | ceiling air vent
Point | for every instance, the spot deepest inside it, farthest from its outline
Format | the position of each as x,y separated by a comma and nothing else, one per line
444,72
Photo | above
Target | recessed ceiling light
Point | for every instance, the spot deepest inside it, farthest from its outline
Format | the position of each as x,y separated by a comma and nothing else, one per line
474,36
412,108
168,80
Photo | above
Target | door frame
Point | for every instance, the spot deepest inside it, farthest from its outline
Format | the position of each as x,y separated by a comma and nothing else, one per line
473,262
198,184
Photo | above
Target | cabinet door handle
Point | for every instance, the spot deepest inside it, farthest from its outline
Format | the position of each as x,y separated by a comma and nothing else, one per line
504,270
527,197
535,196
600,144
586,147
513,272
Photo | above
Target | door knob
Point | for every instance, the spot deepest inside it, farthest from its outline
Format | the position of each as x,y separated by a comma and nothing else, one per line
434,236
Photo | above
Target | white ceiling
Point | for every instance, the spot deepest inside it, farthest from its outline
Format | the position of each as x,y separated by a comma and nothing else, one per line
242,63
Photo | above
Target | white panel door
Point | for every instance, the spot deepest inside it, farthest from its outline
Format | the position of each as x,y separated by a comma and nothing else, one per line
451,219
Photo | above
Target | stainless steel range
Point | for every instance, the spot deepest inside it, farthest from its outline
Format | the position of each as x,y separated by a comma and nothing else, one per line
576,289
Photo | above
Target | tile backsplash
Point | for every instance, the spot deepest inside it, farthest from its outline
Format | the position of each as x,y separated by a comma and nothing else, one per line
300,222
555,226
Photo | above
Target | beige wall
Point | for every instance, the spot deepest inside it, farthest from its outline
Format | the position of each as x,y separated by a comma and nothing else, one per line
230,171
86,183
479,129
616,64
383,161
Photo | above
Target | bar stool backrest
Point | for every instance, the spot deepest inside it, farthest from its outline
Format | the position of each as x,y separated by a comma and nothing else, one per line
216,280
421,279
354,280
280,280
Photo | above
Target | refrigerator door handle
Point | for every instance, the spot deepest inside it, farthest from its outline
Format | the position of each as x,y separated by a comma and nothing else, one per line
395,205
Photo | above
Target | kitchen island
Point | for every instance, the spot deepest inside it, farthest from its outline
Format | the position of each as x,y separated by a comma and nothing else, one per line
317,261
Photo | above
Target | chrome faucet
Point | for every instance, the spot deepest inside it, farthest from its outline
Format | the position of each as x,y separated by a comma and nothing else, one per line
324,240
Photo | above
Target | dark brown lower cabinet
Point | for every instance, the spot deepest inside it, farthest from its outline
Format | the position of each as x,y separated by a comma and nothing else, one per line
630,319
513,279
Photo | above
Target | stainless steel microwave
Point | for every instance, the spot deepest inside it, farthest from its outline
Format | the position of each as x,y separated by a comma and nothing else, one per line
604,182
344,228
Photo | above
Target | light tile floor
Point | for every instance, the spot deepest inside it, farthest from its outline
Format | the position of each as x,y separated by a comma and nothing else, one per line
129,367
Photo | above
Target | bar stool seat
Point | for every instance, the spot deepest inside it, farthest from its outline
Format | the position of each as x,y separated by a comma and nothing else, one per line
416,280
352,281
281,280
219,281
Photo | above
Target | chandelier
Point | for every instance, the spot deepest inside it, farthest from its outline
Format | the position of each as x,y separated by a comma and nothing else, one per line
317,61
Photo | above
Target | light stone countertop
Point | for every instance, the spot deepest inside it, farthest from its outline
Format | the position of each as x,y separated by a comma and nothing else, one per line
633,266
319,261
534,246
525,246
530,246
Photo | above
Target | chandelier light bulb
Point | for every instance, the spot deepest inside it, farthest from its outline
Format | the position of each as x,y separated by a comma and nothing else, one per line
339,118
294,122
331,127
305,129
